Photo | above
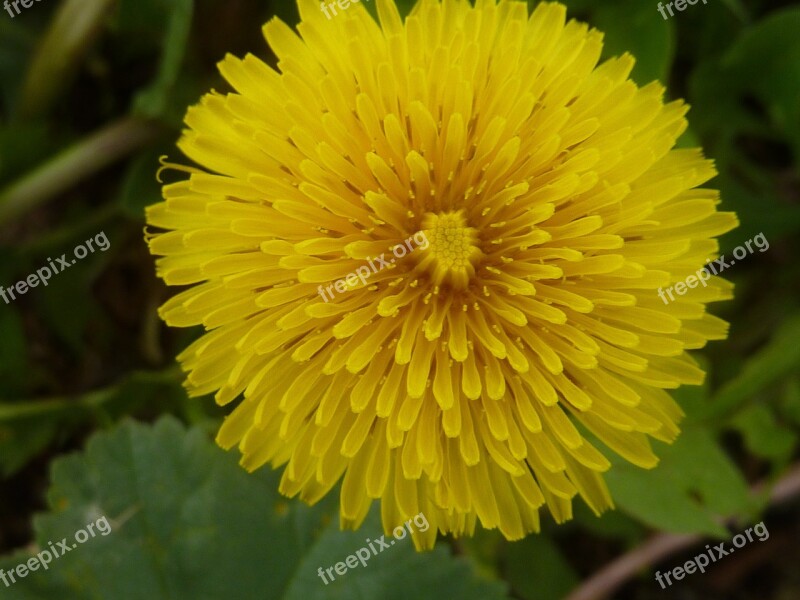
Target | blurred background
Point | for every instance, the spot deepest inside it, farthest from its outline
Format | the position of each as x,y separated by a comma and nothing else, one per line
94,421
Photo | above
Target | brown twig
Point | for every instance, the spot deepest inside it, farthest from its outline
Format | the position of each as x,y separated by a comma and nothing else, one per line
615,574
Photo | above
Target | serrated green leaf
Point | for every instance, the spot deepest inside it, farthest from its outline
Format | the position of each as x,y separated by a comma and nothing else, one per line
379,579
188,522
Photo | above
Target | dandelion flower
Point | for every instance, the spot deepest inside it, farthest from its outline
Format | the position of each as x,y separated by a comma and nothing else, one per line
476,378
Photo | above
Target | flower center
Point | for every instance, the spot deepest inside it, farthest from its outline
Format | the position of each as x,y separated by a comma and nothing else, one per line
453,248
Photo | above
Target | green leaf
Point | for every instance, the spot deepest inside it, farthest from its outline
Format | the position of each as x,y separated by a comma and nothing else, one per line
746,108
636,27
379,579
769,54
60,54
286,12
688,140
18,39
763,435
484,546
536,569
738,8
170,22
791,400
705,31
631,26
403,6
694,483
188,522
779,358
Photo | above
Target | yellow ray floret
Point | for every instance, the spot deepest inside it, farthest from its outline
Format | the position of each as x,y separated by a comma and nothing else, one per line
486,373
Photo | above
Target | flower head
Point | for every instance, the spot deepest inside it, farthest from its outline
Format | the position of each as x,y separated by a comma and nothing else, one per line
475,377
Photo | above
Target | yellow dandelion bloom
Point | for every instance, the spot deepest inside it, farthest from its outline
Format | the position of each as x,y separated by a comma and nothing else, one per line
475,377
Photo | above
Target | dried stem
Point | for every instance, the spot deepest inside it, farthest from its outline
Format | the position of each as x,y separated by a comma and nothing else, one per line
611,577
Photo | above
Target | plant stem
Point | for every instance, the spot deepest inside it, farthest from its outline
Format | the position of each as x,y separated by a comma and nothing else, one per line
70,36
611,577
10,411
75,164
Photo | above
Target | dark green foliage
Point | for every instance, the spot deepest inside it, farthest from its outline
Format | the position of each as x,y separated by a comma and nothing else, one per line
87,351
